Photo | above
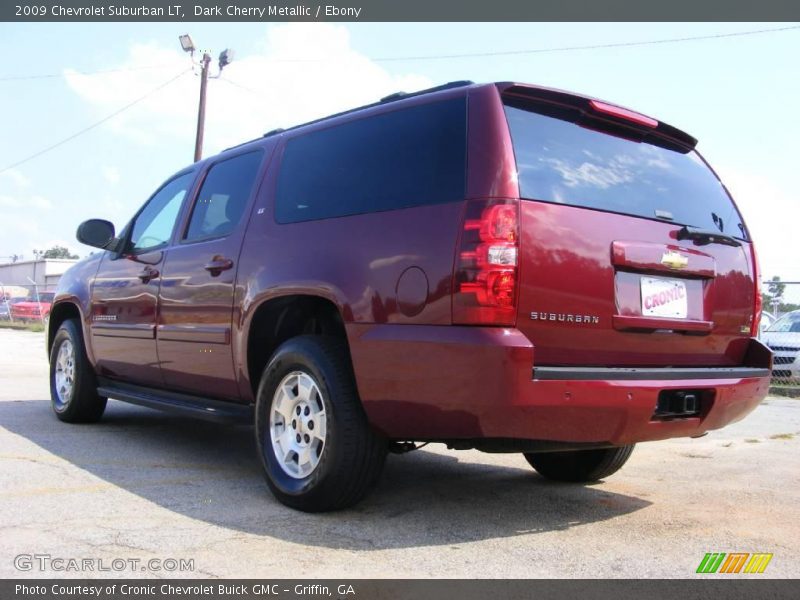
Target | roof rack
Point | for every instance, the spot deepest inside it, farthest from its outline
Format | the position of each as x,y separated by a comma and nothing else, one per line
445,86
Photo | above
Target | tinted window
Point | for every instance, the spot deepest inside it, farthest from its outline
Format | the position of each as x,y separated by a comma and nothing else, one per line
153,225
559,161
408,157
223,196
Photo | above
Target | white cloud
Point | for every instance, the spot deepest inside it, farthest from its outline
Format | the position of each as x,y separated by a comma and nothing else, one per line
15,178
768,212
111,175
38,203
19,223
281,89
14,194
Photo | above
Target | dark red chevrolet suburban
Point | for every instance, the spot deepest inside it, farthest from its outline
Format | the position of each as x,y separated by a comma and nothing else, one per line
503,267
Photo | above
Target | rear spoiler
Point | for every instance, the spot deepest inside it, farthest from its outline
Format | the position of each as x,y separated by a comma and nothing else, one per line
598,110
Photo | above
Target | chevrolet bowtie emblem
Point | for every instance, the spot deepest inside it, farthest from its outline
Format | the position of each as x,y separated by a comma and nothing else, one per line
674,260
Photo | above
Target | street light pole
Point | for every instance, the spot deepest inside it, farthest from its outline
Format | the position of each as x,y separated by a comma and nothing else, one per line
201,109
225,58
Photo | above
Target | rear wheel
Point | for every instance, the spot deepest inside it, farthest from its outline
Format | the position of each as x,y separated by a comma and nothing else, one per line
579,465
73,389
317,448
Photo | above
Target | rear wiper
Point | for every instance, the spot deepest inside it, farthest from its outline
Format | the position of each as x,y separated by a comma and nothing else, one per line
701,237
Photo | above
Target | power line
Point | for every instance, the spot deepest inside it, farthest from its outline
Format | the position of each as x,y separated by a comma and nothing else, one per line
534,51
382,59
100,72
95,124
241,87
454,56
587,47
713,36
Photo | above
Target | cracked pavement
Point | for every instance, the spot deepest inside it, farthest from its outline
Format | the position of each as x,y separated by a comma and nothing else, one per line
143,484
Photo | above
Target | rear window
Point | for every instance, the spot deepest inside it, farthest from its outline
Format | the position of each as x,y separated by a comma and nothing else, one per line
408,157
560,161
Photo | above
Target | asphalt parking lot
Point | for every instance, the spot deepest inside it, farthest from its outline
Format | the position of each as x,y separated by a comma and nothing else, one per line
143,485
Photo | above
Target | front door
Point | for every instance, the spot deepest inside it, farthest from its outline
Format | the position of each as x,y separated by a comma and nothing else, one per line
196,297
124,306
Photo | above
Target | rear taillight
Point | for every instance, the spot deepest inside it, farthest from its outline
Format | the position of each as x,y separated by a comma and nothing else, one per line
758,302
485,276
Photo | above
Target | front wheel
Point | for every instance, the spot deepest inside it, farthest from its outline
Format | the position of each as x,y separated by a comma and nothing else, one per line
73,389
316,446
580,466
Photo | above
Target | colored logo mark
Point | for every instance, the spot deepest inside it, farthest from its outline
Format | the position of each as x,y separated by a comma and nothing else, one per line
734,562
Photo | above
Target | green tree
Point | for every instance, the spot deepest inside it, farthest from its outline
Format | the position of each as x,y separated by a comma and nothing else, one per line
775,288
58,252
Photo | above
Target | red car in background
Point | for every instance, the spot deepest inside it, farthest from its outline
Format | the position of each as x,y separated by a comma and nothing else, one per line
33,309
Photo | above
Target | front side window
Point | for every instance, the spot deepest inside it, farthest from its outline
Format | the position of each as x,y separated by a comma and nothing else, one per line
408,157
223,196
153,226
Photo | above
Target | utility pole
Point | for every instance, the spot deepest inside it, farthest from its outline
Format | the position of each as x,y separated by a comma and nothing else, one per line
201,109
225,58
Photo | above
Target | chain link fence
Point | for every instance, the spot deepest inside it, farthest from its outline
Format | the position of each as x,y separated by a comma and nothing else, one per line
28,303
780,325
780,330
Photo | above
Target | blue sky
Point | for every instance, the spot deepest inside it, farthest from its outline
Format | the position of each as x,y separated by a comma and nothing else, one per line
738,96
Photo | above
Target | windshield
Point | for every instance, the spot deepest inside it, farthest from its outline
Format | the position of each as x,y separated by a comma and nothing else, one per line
787,323
561,161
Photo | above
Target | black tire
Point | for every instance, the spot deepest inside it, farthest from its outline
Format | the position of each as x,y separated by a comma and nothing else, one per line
83,404
352,456
579,465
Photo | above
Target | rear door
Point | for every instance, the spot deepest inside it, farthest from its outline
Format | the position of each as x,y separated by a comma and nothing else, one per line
196,295
631,251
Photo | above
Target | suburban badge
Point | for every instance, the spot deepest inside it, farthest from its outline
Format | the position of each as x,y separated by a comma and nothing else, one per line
564,317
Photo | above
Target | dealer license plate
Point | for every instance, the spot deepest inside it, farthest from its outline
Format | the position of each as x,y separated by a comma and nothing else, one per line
664,298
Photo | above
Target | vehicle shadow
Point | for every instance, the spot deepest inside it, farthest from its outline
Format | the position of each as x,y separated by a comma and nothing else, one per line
210,473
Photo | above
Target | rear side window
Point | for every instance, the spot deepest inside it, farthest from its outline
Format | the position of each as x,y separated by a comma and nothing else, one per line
223,196
560,161
405,158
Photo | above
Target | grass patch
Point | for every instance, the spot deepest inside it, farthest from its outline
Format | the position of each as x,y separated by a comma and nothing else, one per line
752,441
782,436
786,391
36,327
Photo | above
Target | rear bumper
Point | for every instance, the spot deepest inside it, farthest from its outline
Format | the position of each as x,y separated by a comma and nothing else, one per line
446,383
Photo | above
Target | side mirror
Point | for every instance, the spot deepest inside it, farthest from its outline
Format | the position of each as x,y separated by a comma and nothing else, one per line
96,232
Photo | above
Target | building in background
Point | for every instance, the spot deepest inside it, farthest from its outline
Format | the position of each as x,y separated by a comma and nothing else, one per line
33,275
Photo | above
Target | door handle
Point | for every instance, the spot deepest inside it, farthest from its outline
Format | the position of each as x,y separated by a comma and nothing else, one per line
218,264
148,273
